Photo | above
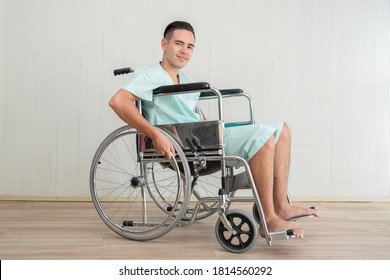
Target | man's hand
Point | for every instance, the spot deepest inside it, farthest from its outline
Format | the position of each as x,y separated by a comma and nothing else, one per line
163,146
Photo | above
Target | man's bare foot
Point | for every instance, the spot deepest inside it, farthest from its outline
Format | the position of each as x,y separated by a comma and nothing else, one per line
291,212
277,224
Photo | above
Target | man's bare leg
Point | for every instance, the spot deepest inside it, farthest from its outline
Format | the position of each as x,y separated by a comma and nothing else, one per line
262,167
282,157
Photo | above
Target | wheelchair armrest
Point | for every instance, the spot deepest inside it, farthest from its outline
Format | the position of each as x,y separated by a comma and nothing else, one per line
190,87
232,91
227,93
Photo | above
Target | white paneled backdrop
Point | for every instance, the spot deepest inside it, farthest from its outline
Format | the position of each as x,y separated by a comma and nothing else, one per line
323,66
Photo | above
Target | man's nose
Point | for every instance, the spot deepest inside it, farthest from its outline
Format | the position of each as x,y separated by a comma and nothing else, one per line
184,49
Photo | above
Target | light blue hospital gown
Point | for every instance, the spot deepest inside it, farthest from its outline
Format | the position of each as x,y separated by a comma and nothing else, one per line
243,141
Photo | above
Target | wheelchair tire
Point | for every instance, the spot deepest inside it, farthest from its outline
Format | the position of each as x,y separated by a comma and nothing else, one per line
246,232
134,192
256,214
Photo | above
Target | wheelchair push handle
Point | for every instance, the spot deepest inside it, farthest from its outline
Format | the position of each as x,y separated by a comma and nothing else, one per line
123,71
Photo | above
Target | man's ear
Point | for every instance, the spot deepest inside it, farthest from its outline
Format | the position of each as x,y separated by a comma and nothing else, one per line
164,44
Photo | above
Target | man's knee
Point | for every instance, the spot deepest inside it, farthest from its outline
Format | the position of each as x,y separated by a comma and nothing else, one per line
285,134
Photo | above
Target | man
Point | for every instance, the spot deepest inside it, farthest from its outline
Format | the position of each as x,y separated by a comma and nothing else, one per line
266,146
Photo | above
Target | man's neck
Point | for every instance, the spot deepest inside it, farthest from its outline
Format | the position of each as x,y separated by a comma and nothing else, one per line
172,72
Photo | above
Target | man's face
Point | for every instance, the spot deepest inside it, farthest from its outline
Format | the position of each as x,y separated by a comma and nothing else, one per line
178,49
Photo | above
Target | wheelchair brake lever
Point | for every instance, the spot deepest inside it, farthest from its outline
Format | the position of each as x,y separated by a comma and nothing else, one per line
199,162
191,145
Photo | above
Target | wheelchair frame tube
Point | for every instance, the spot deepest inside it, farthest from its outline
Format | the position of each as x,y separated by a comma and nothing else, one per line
144,210
237,94
221,119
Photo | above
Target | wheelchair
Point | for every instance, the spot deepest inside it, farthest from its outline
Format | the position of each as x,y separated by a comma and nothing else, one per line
142,195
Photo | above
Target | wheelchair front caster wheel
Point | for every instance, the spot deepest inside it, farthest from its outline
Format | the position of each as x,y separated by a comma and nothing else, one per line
246,232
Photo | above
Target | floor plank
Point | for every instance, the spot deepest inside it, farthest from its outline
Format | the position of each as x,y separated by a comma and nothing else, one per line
73,230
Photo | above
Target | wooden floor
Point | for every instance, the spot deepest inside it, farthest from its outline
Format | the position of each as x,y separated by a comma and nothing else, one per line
73,230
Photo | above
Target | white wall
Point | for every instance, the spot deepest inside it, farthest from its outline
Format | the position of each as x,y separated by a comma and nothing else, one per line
322,66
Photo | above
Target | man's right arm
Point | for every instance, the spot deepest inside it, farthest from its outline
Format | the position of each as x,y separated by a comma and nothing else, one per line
123,103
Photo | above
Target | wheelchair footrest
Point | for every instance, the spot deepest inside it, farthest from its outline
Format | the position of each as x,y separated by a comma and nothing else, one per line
281,235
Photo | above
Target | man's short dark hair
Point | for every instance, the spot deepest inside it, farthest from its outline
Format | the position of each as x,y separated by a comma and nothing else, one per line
177,25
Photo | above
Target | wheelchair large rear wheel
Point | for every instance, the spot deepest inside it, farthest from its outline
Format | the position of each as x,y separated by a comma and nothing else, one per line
139,194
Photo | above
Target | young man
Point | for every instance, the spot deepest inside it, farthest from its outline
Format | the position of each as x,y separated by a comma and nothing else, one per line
266,146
